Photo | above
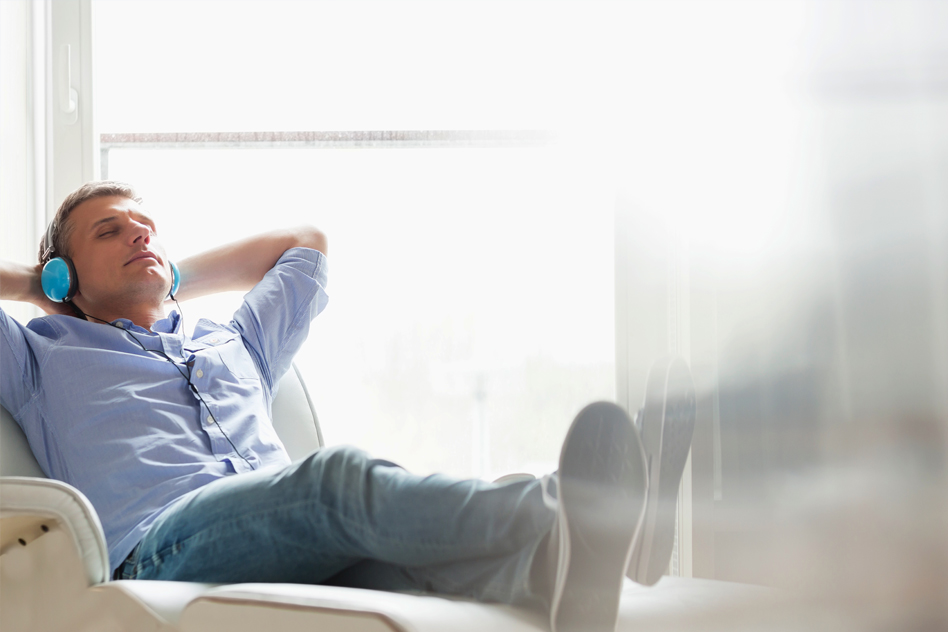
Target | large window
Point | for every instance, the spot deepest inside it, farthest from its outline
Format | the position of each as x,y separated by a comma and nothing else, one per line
471,272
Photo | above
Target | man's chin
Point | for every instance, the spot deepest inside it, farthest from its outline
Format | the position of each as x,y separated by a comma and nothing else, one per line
151,279
152,294
142,294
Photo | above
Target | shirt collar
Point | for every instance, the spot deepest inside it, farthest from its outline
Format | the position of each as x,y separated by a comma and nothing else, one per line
168,325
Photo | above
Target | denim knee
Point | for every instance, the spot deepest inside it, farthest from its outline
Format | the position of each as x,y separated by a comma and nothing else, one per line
334,463
340,475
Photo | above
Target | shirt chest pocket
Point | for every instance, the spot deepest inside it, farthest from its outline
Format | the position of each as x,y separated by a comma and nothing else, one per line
229,347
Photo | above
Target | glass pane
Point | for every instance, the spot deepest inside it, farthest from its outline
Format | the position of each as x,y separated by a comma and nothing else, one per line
248,66
471,310
203,66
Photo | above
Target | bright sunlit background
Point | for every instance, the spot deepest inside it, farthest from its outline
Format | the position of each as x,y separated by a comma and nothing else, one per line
472,309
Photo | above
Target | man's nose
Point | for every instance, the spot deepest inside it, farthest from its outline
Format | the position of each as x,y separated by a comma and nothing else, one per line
140,233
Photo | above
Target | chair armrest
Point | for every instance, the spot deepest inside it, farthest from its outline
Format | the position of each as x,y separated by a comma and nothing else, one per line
27,503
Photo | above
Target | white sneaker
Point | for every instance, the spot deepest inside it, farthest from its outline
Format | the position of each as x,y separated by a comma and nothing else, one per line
601,488
666,423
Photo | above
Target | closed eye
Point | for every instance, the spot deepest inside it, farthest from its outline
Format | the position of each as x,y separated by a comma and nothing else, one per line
107,233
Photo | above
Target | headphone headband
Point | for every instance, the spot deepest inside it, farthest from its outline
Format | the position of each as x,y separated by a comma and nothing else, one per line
50,245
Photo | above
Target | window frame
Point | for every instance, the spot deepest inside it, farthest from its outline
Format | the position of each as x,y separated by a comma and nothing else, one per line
72,153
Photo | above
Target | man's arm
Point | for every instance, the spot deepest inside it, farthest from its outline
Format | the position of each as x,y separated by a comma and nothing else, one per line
21,282
241,265
19,347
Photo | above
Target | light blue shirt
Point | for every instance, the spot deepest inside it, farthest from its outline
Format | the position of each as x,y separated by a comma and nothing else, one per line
121,424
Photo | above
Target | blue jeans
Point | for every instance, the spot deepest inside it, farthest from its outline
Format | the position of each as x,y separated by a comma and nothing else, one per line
340,517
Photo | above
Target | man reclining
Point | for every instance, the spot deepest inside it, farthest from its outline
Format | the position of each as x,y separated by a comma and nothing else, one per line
170,438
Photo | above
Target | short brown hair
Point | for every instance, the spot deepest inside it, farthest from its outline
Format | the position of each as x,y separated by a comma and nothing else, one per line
59,229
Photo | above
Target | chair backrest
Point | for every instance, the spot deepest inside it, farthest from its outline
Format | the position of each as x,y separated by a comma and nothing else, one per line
294,419
294,416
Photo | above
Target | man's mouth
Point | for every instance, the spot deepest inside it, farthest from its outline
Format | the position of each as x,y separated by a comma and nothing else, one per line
142,255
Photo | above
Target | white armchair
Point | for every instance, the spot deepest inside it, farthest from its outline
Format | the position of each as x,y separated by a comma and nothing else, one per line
54,570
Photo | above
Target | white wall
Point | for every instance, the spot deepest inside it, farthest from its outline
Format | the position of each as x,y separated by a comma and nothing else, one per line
17,231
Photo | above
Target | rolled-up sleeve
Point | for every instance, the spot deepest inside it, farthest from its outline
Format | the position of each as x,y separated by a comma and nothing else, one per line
275,316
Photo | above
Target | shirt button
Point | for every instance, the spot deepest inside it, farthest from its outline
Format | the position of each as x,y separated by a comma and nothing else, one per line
210,420
214,341
199,373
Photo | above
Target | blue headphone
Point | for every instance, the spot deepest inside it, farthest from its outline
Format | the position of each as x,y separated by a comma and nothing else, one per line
60,281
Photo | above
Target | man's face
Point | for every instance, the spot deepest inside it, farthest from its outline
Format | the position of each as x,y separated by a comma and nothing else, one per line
117,256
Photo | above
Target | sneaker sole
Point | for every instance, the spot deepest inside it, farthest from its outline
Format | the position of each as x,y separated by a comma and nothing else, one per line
667,429
602,488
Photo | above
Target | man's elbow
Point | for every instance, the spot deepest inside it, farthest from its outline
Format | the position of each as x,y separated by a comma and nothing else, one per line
312,237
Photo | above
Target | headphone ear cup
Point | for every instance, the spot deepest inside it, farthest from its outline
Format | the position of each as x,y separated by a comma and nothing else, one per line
59,280
175,279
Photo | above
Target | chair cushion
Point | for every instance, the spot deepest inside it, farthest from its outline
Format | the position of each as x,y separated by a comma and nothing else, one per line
166,600
287,607
686,603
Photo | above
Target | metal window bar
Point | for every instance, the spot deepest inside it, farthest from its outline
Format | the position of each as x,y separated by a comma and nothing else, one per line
321,140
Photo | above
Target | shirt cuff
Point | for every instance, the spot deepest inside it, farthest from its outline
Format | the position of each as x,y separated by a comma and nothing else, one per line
312,262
